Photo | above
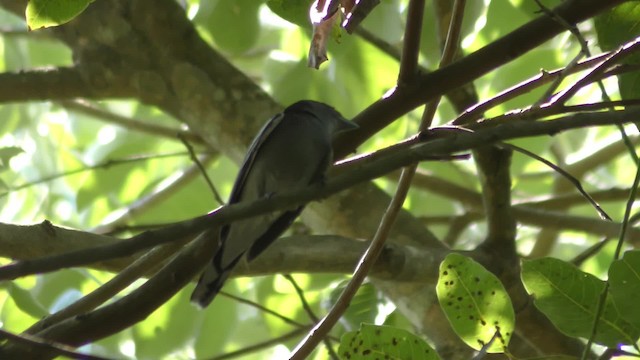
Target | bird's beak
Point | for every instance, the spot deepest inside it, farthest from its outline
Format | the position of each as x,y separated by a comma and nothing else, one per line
345,125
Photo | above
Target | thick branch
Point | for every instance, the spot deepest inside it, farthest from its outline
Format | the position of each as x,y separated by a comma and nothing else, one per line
52,84
359,172
494,167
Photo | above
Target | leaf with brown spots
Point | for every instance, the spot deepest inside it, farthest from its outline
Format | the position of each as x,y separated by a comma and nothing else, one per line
384,342
475,302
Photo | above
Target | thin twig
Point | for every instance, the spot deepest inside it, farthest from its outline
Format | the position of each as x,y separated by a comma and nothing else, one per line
584,51
103,165
476,112
589,252
614,58
147,127
458,226
264,309
562,201
155,198
453,34
576,183
583,43
358,13
546,238
307,308
262,345
560,220
603,105
431,183
449,50
378,42
531,114
627,213
621,240
204,173
303,300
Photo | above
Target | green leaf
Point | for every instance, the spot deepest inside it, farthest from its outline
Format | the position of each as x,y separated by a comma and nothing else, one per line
532,9
569,298
46,13
614,28
384,342
294,11
168,330
210,336
624,286
363,307
56,286
25,301
234,25
475,302
6,153
618,25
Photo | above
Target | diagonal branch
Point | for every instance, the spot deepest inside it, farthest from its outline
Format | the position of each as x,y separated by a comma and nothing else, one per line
502,51
145,264
360,171
131,124
126,311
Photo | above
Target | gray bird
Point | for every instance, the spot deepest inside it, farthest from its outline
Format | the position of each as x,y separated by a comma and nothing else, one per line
291,151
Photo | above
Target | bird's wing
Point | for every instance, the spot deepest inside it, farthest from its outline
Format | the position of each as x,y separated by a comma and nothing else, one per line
273,232
285,220
254,148
216,273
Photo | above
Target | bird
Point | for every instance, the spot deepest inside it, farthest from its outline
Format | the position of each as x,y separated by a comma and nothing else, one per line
292,151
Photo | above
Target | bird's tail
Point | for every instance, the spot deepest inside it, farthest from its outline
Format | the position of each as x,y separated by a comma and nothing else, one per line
210,284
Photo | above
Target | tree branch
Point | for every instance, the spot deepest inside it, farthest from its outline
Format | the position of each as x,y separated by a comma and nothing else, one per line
358,173
502,51
459,142
411,43
129,123
55,84
45,345
146,264
126,311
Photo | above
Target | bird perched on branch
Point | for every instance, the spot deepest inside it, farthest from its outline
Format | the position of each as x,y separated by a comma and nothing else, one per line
291,151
